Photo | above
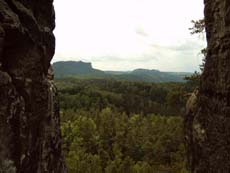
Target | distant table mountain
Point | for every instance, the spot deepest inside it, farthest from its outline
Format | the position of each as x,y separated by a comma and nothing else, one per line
64,69
72,68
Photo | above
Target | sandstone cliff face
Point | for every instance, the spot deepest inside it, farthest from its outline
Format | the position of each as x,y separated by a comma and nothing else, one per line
207,124
30,140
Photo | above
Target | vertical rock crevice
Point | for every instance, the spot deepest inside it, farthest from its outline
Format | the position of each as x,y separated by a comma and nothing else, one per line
207,127
29,112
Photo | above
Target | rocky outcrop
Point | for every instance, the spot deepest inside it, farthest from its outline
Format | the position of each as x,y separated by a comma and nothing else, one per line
30,139
207,124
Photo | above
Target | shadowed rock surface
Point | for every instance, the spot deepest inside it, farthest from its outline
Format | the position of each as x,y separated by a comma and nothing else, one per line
30,138
207,124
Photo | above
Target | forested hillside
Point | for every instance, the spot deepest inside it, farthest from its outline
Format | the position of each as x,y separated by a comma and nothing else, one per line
63,69
79,69
122,127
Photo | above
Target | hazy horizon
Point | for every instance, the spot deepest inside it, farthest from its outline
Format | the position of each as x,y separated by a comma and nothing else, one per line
116,70
122,35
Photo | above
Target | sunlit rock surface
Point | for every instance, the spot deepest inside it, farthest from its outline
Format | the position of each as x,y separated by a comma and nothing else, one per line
207,127
30,138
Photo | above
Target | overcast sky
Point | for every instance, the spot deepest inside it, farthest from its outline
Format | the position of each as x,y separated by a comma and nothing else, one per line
129,34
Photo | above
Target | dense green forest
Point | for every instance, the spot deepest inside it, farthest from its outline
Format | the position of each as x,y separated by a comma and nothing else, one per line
113,126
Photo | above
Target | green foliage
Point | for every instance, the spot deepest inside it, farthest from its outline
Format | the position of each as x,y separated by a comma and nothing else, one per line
117,143
128,97
122,127
193,81
198,26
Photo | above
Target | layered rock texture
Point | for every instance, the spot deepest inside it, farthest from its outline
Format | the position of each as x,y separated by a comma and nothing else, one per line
30,139
207,124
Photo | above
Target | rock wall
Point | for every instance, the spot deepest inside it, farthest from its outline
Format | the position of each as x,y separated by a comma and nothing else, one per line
207,123
30,140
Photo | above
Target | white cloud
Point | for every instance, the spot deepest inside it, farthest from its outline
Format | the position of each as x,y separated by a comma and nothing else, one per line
128,34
